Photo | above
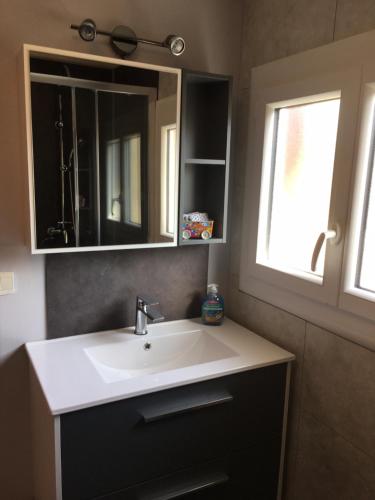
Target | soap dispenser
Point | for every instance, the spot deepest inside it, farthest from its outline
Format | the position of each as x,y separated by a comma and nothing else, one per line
213,306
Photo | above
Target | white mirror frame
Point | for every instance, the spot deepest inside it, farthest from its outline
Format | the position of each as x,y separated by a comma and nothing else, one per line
25,108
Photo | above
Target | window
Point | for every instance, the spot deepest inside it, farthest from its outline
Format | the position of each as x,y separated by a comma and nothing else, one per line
168,179
113,172
297,191
301,149
132,179
365,275
123,177
309,204
358,293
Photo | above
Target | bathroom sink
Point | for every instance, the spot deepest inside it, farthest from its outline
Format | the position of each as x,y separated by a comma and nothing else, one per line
117,359
96,368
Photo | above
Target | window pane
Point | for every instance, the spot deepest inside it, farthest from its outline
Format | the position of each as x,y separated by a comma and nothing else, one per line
170,181
132,177
113,180
304,150
367,266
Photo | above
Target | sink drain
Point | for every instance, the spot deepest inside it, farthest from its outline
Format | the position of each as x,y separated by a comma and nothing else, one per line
147,346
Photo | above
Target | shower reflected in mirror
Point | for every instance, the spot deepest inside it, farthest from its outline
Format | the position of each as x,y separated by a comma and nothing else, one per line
105,149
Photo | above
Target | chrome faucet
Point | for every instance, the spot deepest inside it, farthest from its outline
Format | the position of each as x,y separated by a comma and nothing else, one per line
146,309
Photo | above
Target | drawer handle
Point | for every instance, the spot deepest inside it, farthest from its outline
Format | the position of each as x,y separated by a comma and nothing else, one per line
186,405
176,491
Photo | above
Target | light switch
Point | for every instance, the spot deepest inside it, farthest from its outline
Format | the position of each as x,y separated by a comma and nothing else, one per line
6,283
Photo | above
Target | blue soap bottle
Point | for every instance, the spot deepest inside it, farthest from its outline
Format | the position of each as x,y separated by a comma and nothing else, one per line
213,306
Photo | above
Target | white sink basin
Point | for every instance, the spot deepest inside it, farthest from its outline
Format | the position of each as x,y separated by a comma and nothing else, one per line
117,359
75,372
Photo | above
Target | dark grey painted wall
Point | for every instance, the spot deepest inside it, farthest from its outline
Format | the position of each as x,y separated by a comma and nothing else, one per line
93,291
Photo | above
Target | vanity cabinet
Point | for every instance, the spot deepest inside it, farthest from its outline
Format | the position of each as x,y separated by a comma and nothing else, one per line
243,475
217,439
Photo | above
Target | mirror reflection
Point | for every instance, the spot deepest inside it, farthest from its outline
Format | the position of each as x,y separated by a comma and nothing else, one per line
105,147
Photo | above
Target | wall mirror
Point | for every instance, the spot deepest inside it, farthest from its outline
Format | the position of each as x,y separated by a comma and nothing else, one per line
103,148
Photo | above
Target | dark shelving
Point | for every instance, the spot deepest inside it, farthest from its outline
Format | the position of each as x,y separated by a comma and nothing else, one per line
205,150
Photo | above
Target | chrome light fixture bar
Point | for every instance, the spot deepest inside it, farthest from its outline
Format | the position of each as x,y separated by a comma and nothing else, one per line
123,39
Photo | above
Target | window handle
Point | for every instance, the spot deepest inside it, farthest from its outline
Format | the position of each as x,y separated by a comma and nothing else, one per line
332,235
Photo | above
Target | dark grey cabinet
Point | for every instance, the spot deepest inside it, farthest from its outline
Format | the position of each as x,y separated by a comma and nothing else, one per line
217,439
243,475
205,151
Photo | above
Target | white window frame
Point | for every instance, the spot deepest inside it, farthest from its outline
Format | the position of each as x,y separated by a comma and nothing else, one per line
265,99
127,184
124,172
267,182
166,194
113,143
164,116
333,305
354,299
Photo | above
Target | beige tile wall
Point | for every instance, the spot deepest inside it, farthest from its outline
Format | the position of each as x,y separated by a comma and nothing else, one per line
331,440
331,430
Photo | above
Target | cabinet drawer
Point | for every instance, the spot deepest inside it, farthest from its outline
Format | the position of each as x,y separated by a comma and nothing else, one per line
246,475
109,447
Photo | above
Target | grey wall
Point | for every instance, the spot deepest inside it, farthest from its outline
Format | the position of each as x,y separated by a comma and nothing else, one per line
331,445
331,452
211,29
97,291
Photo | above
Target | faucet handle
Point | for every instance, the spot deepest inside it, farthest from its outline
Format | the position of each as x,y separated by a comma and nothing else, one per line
152,304
143,300
150,308
153,313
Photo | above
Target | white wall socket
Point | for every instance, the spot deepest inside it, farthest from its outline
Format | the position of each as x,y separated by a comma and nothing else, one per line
6,283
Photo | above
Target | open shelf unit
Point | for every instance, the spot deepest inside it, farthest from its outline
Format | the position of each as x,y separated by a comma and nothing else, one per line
205,150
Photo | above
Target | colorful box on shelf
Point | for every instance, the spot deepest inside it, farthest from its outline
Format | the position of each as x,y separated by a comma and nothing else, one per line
197,230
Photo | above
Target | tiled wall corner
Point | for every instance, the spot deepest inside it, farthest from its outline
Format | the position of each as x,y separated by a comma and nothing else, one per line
278,28
354,17
339,387
331,428
287,331
331,437
329,467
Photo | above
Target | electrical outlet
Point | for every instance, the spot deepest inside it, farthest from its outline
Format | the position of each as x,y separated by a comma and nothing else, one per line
6,283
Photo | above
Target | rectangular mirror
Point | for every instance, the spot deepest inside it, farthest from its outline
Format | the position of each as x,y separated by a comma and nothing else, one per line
103,151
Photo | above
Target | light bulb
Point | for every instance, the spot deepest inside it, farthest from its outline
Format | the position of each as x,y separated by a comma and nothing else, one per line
176,44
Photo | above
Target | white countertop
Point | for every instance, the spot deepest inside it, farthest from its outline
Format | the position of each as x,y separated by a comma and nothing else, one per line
70,381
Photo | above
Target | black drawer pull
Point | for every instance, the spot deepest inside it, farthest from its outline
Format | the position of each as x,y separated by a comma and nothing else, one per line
184,405
174,490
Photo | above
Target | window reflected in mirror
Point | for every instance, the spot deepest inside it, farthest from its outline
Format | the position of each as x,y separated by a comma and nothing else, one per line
132,179
168,180
123,179
113,168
